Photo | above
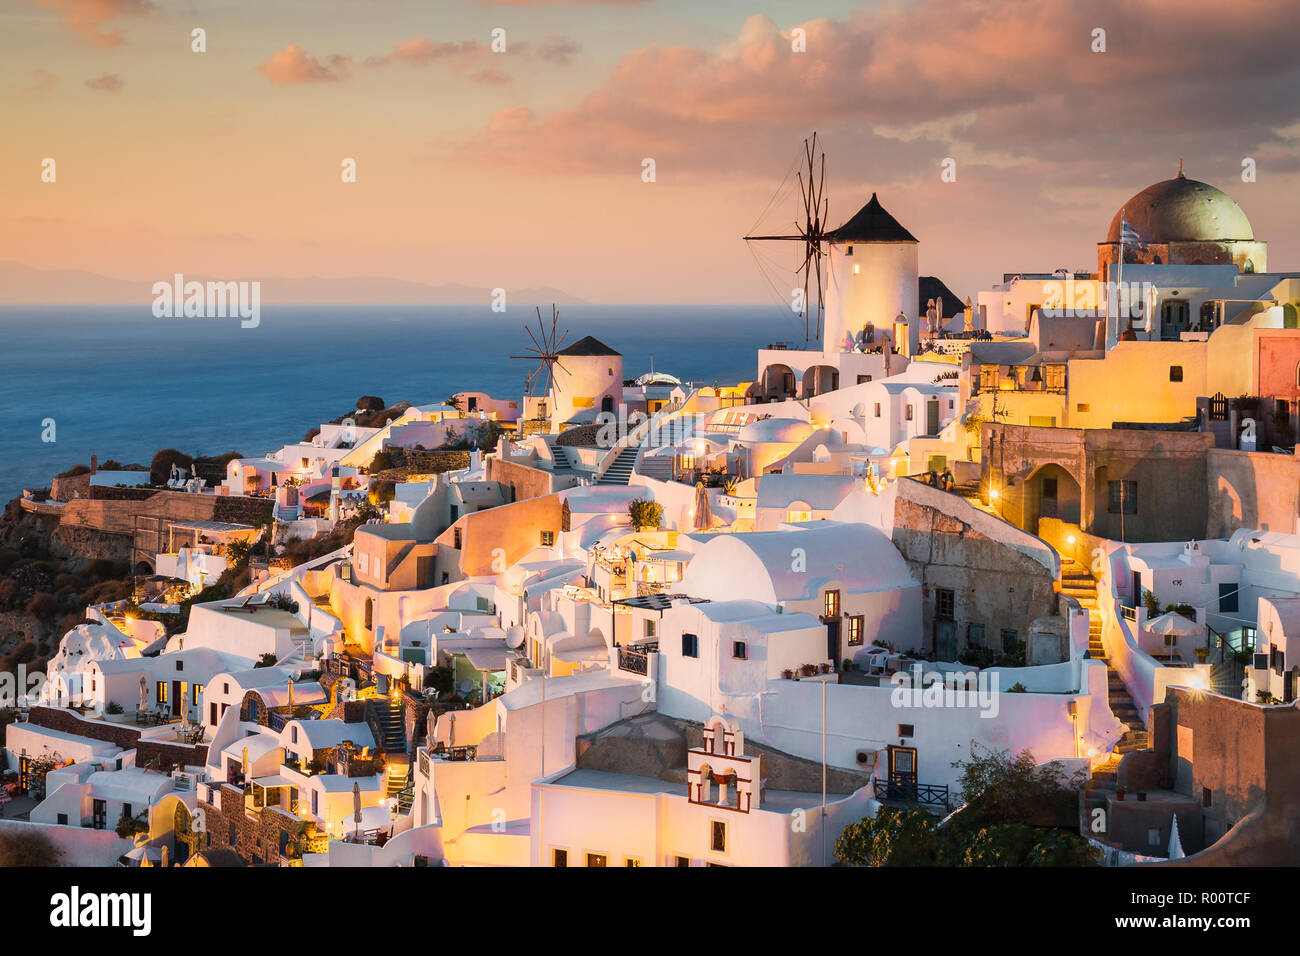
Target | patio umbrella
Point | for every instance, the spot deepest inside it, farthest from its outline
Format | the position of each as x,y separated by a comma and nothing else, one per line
144,693
356,804
703,512
290,696
1175,842
1173,623
244,764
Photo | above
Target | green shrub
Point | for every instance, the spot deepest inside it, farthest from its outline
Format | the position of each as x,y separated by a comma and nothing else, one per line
646,515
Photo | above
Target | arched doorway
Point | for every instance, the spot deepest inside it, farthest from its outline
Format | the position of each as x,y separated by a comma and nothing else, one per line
819,379
778,383
1052,492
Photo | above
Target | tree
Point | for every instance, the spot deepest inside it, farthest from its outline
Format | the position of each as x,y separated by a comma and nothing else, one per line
999,788
370,403
237,552
381,462
646,515
894,837
28,847
160,469
1016,844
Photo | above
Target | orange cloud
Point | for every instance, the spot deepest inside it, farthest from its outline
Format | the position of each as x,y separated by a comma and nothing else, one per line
1013,81
293,65
86,19
106,83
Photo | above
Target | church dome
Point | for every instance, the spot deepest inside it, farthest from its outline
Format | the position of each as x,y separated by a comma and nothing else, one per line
1183,210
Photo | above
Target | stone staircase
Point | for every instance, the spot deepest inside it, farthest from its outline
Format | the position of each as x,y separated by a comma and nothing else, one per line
1078,583
620,470
389,725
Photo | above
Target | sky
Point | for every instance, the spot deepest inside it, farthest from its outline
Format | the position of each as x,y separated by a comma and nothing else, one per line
525,167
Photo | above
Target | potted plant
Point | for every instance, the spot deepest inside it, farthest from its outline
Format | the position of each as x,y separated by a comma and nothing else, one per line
1202,653
787,674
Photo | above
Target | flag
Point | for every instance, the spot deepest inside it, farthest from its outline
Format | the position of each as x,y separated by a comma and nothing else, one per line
1127,234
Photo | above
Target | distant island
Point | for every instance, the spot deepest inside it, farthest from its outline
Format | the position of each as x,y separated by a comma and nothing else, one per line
24,285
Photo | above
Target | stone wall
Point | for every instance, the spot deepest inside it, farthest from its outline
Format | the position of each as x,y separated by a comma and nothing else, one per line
66,489
428,462
66,721
170,755
1169,468
119,516
1251,490
257,838
994,584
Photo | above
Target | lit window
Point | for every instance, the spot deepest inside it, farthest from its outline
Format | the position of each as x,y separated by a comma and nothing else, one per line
855,630
832,604
548,539
1175,373
595,859
631,861
857,269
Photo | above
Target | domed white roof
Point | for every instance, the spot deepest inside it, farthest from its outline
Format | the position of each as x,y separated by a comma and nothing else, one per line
784,430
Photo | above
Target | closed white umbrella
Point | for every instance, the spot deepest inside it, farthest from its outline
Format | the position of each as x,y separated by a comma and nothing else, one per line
1175,843
703,511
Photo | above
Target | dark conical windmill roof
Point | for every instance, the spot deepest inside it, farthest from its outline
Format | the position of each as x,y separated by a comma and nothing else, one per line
588,345
871,224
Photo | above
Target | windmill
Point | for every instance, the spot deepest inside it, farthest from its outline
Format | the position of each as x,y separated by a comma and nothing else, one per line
545,350
811,232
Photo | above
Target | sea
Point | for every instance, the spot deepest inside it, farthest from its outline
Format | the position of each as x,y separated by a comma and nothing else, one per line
121,383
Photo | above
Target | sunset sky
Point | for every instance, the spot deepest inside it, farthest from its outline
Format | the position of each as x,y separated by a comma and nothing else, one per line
523,168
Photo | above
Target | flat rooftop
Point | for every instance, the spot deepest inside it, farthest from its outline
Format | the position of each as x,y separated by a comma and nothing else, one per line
778,801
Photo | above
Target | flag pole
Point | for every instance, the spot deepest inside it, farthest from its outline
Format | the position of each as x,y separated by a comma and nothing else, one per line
1120,282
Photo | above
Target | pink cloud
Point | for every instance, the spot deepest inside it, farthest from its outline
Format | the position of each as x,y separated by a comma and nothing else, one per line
86,19
1002,81
293,65
421,51
490,77
106,83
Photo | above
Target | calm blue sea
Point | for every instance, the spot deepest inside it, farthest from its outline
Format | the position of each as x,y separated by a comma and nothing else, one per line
121,383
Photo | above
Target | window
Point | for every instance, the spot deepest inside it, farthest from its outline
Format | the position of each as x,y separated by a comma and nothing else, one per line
681,861
1207,797
855,630
649,627
62,819
974,635
1009,638
1123,495
1153,837
548,539
595,859
180,665
455,512
1175,373
160,692
848,250
739,650
857,269
293,735
909,413
945,602
126,810
863,378
225,688
877,409
832,603
907,730
1228,598
456,539
631,861
690,645
559,858
1082,407
196,694
717,836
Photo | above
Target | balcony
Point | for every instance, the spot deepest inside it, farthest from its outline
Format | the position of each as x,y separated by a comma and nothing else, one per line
636,659
900,790
1019,378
